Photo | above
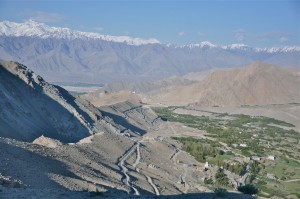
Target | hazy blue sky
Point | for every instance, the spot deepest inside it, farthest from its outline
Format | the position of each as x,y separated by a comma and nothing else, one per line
258,23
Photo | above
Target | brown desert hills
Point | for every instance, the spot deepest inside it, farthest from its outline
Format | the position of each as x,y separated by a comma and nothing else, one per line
256,84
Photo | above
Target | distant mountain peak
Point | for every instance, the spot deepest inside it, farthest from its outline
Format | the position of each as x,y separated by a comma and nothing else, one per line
207,44
242,47
236,46
203,44
260,66
33,23
32,28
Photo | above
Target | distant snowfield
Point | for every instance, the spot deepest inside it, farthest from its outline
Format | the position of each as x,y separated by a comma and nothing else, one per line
35,29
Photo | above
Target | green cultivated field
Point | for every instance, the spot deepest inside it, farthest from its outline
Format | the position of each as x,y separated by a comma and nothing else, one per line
259,136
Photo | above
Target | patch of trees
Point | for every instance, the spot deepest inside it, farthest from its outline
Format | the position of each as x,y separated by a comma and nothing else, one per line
234,167
208,181
200,149
221,178
254,169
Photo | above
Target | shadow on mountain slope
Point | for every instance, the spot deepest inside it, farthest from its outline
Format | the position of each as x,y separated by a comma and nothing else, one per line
123,122
71,100
118,194
26,113
31,168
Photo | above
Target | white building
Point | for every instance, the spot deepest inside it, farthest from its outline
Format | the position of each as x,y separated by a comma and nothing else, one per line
256,158
271,157
206,165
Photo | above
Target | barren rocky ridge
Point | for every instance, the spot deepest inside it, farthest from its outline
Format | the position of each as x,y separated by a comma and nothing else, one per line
255,84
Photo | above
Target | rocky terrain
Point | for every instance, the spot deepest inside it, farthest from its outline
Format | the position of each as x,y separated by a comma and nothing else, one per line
109,165
126,108
256,84
31,107
104,98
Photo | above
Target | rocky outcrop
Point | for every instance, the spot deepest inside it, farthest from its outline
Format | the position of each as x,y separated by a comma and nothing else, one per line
31,107
47,142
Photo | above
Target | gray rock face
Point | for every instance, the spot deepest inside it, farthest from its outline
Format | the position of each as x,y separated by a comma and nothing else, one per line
100,61
30,107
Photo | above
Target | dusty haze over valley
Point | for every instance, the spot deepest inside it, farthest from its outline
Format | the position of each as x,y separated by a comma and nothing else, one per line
96,101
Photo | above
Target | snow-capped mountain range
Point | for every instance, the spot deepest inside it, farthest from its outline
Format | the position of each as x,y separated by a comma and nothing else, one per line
35,29
61,54
207,44
32,28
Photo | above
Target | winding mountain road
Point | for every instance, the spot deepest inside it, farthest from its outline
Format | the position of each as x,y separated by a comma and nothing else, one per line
149,179
125,170
138,157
